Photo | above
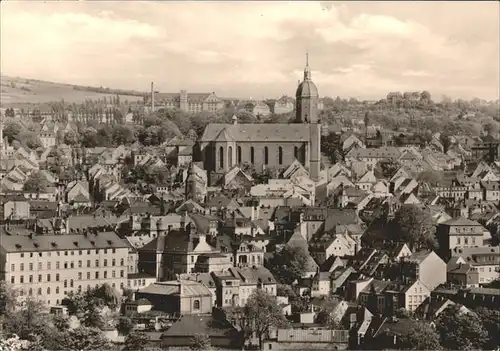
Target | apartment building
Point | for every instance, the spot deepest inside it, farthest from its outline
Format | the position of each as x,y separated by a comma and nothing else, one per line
48,267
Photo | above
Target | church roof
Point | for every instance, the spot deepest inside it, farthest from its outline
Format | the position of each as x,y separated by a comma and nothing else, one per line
256,132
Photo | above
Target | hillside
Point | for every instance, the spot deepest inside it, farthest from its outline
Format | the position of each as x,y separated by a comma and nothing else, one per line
17,92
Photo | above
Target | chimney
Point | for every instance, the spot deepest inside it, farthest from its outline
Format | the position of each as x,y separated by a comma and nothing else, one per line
152,97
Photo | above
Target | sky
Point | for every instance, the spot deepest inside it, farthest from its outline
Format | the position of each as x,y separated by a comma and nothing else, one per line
257,49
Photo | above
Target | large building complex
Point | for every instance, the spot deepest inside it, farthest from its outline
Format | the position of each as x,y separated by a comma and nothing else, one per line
189,102
48,267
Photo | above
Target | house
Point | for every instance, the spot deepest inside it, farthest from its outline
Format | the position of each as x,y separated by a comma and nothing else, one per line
491,191
188,102
314,338
372,156
221,333
284,104
367,181
460,233
386,297
425,266
182,297
461,274
17,208
484,260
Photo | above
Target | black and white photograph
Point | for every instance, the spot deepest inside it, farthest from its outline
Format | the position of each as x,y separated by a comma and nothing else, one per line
249,175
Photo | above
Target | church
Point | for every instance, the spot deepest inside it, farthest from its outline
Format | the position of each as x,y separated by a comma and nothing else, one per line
268,146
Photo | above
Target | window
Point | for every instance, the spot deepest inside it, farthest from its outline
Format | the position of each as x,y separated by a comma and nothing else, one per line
105,251
280,155
105,274
196,304
57,290
97,263
122,274
296,152
88,263
71,283
88,275
80,252
12,267
39,254
22,254
40,266
72,264
458,241
88,252
266,155
72,253
473,240
22,266
30,292
39,278
48,277
21,279
21,292
65,283
252,155
113,251
221,157
39,291
113,262
96,275
238,154
31,266
57,277
57,265
192,259
122,262
48,290
79,275
113,274
230,157
466,241
65,253
12,280
105,263
49,265
31,279
80,264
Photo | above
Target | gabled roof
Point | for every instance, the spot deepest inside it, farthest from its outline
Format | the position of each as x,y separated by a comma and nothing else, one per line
257,132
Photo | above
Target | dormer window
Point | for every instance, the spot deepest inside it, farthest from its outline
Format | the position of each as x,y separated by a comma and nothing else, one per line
36,245
75,243
92,242
18,246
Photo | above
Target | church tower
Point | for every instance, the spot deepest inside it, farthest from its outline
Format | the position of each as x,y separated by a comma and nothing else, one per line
306,110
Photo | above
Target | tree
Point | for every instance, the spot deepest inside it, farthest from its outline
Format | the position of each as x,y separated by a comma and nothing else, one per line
386,168
289,264
425,96
262,313
201,342
71,138
30,139
125,325
89,138
420,336
11,131
433,177
460,331
136,341
36,182
414,226
491,128
85,338
123,135
330,147
490,319
8,299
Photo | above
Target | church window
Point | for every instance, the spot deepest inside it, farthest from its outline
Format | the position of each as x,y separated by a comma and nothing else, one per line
238,152
296,152
280,155
252,154
230,157
221,157
266,155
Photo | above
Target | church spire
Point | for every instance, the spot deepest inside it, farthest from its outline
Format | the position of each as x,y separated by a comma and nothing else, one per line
307,70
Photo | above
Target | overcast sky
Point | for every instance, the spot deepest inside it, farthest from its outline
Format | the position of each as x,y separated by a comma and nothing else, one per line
257,49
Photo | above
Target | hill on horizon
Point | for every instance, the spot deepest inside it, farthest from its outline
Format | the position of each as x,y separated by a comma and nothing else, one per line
17,91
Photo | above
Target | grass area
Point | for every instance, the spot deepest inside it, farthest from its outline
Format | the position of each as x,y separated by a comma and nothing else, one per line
19,91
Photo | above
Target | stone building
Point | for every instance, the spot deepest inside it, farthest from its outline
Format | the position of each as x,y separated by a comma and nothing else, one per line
274,146
193,102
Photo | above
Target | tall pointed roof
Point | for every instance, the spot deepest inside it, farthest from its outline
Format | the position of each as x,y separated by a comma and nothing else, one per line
307,88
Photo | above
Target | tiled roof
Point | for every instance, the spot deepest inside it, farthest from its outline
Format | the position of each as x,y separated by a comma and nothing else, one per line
40,243
461,222
257,132
184,288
